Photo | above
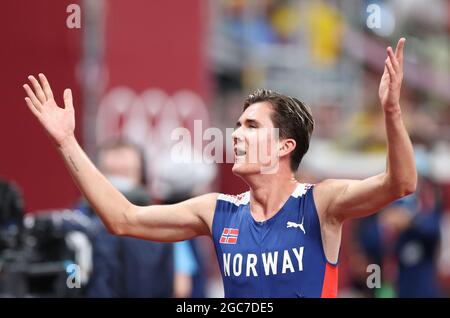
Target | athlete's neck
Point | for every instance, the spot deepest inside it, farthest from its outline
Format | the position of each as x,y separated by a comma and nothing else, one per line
269,193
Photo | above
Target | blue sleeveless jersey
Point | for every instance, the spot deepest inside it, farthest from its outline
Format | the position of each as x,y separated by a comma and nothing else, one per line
279,257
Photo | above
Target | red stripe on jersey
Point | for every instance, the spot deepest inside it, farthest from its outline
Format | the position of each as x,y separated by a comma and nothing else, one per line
330,282
234,231
223,239
225,231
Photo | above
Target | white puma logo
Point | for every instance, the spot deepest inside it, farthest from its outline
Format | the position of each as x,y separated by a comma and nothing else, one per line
299,225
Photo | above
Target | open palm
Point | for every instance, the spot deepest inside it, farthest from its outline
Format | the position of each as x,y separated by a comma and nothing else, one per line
392,78
58,122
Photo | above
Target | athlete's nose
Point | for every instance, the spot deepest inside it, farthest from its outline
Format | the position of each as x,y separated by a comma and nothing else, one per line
237,136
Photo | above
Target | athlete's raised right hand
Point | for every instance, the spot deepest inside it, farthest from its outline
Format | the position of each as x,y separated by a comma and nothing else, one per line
58,122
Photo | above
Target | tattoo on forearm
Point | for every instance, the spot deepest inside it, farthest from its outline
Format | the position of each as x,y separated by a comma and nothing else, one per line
73,164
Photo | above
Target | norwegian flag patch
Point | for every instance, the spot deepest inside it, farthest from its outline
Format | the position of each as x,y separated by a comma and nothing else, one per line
229,236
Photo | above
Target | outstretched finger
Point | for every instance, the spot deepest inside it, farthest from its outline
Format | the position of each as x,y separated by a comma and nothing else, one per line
33,108
68,100
38,89
32,97
46,86
393,59
390,69
399,50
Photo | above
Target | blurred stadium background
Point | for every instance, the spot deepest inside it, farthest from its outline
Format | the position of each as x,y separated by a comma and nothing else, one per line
140,68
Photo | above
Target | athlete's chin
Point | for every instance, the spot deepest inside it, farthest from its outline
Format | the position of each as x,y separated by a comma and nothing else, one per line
237,169
242,169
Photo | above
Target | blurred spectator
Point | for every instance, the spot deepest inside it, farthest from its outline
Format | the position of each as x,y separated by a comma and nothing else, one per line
123,266
407,235
325,27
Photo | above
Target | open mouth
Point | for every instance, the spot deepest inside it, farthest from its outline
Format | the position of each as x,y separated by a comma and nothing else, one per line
239,152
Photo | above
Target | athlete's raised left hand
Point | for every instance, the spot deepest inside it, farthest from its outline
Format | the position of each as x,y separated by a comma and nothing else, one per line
391,81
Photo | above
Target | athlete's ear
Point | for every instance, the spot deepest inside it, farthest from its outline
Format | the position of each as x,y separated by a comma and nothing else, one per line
286,146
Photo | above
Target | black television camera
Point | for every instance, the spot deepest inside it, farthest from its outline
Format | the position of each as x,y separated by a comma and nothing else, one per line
34,252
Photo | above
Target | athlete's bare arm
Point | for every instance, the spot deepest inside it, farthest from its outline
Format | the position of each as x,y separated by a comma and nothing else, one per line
158,222
341,199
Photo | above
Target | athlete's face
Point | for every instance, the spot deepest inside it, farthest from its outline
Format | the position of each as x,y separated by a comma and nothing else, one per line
255,141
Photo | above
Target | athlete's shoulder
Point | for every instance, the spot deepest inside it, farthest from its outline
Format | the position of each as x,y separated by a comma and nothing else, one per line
325,192
204,199
202,205
328,188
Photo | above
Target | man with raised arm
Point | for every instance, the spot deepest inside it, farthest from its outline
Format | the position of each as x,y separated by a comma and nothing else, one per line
282,237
